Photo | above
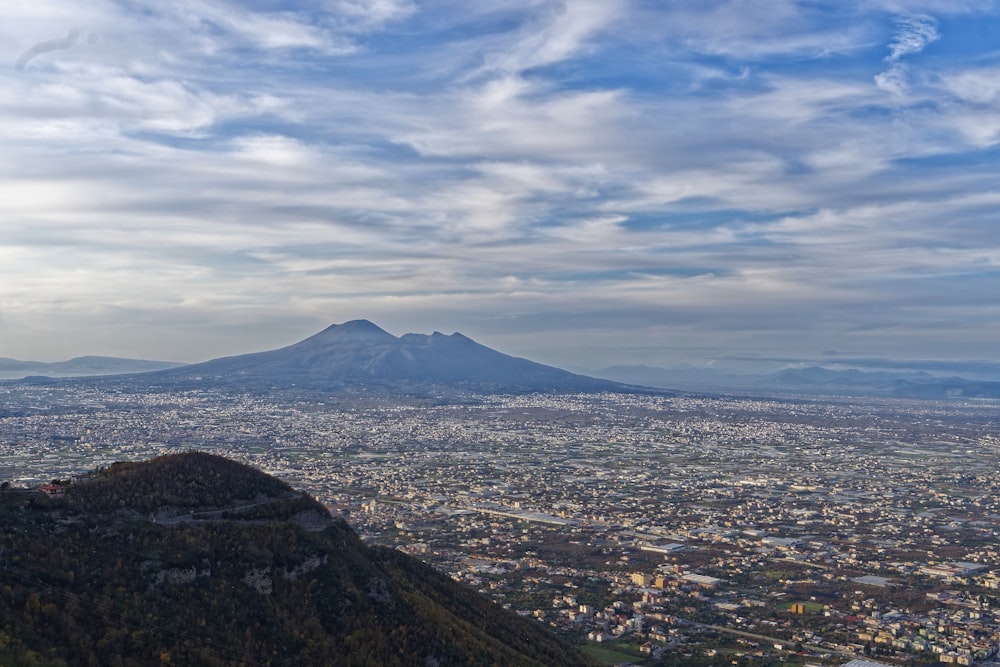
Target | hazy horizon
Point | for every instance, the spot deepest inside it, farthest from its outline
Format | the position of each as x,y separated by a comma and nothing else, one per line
728,373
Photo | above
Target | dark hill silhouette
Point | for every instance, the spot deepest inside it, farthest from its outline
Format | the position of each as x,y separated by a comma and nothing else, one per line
99,577
360,354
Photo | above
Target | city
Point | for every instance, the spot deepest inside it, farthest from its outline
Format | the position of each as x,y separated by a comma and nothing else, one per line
658,528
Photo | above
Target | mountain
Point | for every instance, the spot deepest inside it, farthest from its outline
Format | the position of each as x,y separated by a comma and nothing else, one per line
79,366
947,388
852,381
360,355
807,380
192,559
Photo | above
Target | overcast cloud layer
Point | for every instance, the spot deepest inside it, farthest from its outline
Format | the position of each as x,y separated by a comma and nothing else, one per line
583,182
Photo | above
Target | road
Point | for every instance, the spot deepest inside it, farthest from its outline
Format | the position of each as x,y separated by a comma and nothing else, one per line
765,638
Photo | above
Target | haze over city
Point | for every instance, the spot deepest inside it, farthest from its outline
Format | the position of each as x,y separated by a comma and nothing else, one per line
583,183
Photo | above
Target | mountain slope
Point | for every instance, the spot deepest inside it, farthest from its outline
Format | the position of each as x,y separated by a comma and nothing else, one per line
360,354
224,576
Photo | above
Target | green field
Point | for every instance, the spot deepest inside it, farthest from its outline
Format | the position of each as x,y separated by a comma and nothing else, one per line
613,653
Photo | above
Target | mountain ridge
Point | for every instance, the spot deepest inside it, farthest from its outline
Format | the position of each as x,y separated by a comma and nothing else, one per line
86,365
814,379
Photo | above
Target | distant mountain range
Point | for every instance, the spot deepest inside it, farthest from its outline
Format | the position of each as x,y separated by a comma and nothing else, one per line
809,379
359,356
79,366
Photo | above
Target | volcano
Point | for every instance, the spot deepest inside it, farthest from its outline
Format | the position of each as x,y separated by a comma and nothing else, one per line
359,354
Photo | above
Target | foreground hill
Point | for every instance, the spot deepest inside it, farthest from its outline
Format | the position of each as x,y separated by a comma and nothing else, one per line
192,559
360,355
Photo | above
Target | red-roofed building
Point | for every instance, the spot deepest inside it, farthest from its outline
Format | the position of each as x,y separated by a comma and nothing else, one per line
53,490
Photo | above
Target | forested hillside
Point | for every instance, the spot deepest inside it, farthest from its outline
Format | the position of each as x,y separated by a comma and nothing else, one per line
222,577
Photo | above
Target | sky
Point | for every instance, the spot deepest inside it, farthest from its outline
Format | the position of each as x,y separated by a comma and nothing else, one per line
721,183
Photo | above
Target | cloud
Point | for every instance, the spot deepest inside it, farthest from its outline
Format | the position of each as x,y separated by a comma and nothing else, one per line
368,15
913,34
554,36
624,171
750,30
936,7
893,80
979,85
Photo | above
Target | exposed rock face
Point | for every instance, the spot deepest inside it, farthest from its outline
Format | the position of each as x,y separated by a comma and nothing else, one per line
261,579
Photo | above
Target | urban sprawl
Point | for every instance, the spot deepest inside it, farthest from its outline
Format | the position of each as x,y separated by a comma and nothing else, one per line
664,529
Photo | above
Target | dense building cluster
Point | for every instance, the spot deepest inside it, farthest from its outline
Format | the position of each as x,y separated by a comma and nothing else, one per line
715,529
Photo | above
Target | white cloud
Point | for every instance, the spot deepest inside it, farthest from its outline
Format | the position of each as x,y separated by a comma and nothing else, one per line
980,127
977,86
265,30
370,14
893,80
555,35
750,30
544,167
939,7
913,34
